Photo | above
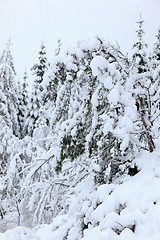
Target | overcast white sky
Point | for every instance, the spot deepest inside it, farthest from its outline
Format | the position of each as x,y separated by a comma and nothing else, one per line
29,22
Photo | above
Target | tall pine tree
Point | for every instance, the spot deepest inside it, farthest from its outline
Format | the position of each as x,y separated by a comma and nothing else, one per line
9,88
142,84
35,102
22,105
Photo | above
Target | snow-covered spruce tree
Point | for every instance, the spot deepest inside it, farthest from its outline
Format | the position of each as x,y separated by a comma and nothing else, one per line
99,106
53,76
58,49
78,124
8,89
3,106
17,159
156,50
8,126
142,82
6,136
54,80
35,101
10,166
22,105
155,87
63,110
40,68
112,143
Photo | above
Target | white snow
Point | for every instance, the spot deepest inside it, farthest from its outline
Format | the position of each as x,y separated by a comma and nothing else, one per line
90,44
108,83
98,65
113,96
19,233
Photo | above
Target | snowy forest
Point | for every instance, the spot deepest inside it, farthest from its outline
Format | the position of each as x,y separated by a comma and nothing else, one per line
79,154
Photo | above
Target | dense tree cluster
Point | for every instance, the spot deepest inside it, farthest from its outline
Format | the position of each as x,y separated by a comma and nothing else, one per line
91,111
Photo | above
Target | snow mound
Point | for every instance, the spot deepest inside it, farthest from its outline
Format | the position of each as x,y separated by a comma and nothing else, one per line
129,208
19,233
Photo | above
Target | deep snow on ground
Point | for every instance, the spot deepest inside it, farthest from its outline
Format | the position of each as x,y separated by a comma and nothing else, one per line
129,208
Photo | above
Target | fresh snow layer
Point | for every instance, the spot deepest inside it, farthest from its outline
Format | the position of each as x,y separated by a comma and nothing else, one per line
126,209
98,64
19,233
